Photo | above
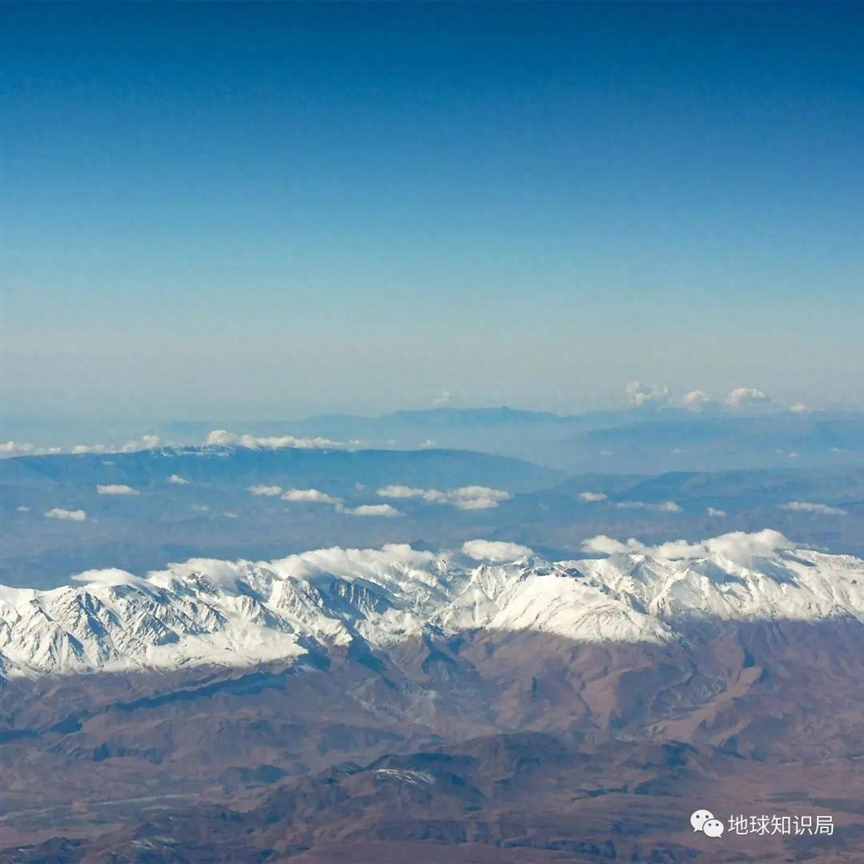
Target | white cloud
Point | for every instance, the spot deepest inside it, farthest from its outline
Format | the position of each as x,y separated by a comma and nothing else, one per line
463,498
476,497
81,449
737,546
67,515
109,576
145,442
309,496
744,397
382,510
742,547
811,507
401,492
800,408
593,497
229,515
116,489
15,448
354,564
177,480
223,438
638,396
716,513
265,490
605,545
696,400
494,550
660,507
23,509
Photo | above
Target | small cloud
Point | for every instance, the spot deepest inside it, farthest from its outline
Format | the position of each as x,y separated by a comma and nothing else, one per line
109,576
381,510
640,396
309,496
494,550
811,507
715,513
605,545
177,480
799,408
696,400
66,515
200,508
23,509
476,497
145,442
463,498
445,397
223,438
593,497
745,397
15,448
264,490
661,507
229,515
116,489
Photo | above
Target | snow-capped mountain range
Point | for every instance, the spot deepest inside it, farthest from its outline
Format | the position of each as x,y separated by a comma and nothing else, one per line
239,613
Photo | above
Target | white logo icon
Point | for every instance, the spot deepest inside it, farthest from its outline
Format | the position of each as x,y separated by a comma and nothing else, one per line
704,821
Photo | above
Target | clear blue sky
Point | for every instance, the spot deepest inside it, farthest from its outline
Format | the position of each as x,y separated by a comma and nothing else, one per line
268,210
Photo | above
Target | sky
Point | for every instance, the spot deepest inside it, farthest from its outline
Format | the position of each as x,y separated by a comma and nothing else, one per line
267,211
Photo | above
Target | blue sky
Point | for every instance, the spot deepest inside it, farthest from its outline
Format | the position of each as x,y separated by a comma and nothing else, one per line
270,210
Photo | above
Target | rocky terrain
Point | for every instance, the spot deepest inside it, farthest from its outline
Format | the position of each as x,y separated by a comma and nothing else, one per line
406,705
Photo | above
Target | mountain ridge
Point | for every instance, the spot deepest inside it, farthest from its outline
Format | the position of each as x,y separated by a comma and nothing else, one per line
240,613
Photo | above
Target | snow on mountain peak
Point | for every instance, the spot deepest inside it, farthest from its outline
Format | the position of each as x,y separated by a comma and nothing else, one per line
208,611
